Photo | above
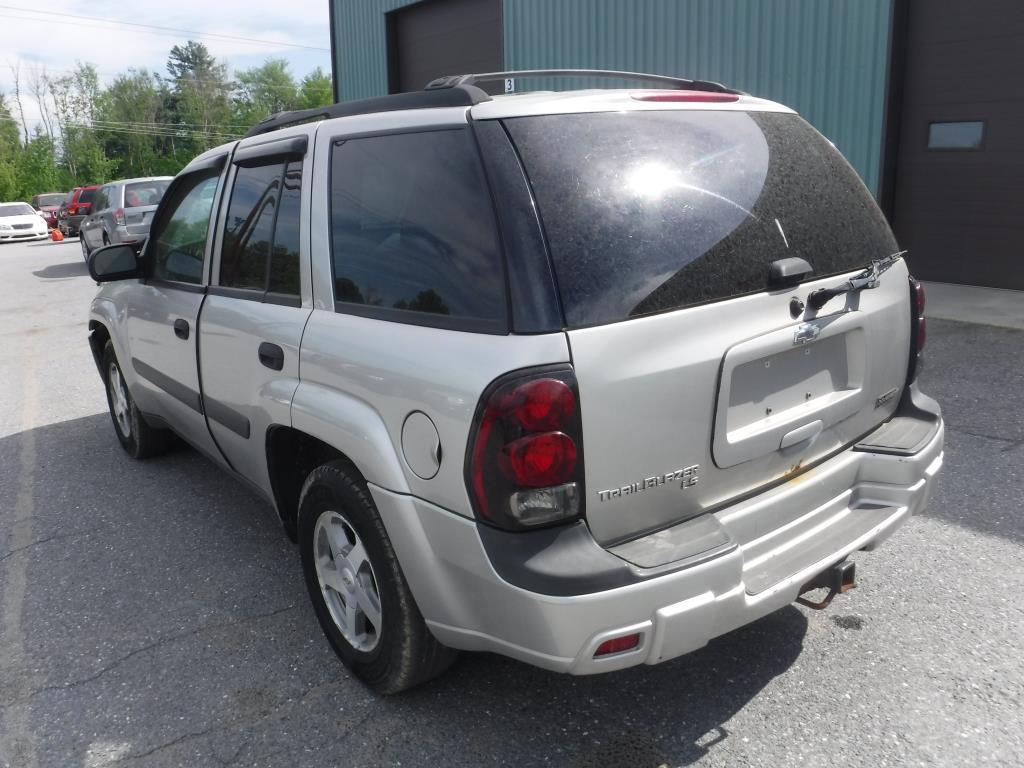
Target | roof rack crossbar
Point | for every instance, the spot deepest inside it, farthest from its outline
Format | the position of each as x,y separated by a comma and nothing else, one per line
456,96
455,81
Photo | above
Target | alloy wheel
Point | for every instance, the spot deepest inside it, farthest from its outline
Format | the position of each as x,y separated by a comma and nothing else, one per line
347,581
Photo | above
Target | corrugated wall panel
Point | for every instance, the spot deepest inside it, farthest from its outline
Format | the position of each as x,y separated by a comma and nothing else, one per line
361,57
824,58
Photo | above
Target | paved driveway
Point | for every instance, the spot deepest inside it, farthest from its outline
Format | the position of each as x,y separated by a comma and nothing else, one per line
154,614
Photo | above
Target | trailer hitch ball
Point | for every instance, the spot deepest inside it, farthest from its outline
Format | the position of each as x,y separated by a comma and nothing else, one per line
837,579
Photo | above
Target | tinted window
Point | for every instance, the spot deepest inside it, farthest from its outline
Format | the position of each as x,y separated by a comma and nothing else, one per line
261,238
99,200
141,193
86,195
413,230
651,211
178,239
42,200
284,260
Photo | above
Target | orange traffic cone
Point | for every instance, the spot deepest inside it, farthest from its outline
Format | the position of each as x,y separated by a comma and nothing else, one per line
56,235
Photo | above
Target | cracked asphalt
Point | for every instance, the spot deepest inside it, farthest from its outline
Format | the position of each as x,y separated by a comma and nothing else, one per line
153,613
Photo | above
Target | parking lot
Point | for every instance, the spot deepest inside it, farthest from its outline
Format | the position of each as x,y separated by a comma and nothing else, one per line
153,613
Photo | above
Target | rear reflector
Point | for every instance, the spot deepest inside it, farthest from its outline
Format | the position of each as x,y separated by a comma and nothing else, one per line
618,645
690,96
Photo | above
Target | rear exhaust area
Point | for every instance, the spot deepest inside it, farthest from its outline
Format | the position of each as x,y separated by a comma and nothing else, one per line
837,579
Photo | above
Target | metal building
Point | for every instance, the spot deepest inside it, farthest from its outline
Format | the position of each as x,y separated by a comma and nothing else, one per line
924,97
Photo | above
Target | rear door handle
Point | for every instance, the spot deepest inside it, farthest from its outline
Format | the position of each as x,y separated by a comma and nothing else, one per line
181,328
271,356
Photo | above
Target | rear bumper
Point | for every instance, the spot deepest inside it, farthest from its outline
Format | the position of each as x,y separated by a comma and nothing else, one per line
764,550
70,225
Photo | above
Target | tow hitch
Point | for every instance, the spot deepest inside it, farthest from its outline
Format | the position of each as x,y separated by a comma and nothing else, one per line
837,579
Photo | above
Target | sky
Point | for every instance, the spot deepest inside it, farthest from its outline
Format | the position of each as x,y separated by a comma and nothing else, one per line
52,37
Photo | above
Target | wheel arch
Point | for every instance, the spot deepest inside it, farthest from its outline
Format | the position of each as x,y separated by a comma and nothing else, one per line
328,425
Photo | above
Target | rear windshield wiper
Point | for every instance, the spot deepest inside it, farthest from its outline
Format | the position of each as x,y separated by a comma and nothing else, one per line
866,279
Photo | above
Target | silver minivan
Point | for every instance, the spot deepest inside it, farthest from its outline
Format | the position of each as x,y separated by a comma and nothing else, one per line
585,378
122,212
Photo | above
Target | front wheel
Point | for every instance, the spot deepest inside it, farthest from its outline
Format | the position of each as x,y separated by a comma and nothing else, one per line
359,593
138,438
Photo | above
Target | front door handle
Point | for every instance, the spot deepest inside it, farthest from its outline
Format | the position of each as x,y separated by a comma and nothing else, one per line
181,328
271,356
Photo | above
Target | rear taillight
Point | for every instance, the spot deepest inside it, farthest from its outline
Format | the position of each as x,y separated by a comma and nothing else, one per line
918,327
524,466
119,217
71,210
705,97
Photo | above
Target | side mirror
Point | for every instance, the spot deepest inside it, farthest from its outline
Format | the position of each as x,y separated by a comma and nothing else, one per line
114,262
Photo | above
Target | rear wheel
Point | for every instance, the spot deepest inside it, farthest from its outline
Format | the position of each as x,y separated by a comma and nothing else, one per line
359,593
138,438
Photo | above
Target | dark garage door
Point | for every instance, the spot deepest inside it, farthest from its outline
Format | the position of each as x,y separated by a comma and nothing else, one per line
442,37
959,204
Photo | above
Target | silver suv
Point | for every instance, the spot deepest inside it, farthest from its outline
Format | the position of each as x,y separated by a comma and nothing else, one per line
583,378
121,212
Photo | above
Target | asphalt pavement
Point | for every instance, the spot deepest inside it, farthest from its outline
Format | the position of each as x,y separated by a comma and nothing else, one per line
153,613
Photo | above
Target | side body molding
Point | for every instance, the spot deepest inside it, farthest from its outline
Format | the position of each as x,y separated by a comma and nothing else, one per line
351,426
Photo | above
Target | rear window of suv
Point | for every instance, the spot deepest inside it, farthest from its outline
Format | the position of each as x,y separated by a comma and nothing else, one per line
651,211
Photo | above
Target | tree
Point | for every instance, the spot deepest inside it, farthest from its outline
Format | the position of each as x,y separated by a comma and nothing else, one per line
200,92
262,91
134,126
315,90
10,148
74,99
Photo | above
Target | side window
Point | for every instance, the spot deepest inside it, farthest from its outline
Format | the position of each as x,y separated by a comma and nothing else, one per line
412,231
178,240
99,203
260,251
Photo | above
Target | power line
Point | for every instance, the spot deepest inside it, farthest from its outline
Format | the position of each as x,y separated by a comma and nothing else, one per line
153,29
48,70
141,130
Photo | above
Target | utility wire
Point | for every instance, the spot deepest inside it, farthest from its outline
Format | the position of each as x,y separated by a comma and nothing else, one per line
152,29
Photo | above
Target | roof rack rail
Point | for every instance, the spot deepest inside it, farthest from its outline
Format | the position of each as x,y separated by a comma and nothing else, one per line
456,81
455,96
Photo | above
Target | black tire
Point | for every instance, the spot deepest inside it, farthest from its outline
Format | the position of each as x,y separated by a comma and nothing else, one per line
406,653
139,440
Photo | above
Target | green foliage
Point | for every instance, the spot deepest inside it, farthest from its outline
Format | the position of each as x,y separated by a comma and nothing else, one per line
315,90
264,90
142,123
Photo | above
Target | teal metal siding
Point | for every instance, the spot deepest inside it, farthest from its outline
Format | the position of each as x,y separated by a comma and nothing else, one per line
824,58
361,58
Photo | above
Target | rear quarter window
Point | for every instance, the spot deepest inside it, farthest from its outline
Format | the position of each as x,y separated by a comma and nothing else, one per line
651,211
413,234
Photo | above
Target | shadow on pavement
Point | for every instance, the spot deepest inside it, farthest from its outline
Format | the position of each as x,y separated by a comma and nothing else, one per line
976,372
166,616
61,271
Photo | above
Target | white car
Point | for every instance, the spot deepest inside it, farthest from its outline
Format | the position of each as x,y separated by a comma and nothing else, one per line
19,221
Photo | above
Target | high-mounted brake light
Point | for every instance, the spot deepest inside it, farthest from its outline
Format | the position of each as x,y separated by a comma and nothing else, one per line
524,464
698,97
